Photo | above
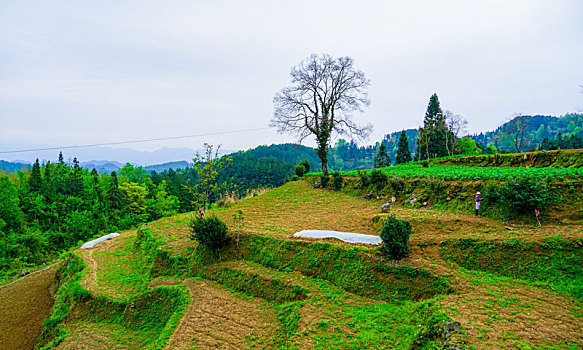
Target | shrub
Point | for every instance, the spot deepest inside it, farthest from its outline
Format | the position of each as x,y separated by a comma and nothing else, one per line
300,170
337,181
378,178
306,165
209,231
395,235
525,194
324,180
364,178
397,184
435,185
295,178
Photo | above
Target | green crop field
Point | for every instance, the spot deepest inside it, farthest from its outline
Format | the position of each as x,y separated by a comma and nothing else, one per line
448,172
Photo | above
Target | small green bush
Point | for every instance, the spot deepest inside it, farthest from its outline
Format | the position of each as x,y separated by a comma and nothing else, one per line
523,195
395,235
306,165
397,184
295,178
435,185
378,178
324,180
209,231
300,170
364,178
337,181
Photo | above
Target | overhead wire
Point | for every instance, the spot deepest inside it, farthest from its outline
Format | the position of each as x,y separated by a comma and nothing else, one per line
131,141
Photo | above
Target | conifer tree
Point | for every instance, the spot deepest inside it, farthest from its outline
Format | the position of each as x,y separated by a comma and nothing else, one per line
76,179
114,196
35,181
382,159
61,160
403,153
432,141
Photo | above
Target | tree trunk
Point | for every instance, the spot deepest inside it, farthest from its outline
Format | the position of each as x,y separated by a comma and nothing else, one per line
324,160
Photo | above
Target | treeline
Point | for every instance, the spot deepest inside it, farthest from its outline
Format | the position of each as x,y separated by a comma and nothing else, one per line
530,133
54,206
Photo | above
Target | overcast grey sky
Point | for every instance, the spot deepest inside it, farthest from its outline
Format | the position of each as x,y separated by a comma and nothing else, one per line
80,72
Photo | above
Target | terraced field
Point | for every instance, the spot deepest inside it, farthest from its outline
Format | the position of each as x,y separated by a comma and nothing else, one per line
270,290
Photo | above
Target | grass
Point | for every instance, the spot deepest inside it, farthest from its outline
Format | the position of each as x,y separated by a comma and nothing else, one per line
333,295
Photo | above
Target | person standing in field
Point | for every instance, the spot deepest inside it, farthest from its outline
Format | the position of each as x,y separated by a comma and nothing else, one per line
478,200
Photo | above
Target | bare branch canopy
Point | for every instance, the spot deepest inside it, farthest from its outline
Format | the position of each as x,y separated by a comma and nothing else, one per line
324,93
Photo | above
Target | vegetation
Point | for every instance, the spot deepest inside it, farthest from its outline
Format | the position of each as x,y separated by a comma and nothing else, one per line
209,231
208,166
382,159
403,153
324,93
473,173
395,235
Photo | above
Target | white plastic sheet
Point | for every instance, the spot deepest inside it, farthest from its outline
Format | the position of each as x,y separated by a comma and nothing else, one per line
90,244
349,237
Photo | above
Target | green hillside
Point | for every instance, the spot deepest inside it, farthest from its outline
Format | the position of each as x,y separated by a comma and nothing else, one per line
155,288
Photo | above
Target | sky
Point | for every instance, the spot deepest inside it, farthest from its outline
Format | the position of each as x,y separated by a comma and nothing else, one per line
80,72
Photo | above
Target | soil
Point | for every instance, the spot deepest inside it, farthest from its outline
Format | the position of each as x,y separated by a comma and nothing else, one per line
497,314
220,319
25,303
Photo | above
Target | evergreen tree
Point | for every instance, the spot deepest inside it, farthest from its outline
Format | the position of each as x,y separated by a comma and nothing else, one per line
35,181
76,179
434,133
403,153
382,158
114,196
61,160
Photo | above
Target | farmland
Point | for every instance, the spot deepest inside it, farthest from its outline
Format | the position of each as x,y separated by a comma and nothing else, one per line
510,283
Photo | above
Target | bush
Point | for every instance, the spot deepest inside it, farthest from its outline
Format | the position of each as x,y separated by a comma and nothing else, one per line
209,231
300,170
295,178
378,178
337,181
324,180
306,165
435,186
364,178
525,194
395,235
397,184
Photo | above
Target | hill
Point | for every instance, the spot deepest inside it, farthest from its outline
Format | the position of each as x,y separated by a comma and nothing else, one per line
270,290
528,132
13,166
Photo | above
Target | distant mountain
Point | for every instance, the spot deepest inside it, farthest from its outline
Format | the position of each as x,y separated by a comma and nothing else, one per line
120,155
167,166
13,166
102,166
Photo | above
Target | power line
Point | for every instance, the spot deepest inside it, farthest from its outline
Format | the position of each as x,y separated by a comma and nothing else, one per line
132,141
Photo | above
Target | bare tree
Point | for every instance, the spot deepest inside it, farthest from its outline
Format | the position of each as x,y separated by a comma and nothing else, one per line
320,102
516,130
456,124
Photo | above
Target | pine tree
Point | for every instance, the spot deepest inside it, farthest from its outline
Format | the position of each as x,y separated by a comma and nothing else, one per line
403,153
382,159
61,160
114,196
35,181
76,179
433,135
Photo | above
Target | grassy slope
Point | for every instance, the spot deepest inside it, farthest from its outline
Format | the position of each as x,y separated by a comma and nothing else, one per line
497,312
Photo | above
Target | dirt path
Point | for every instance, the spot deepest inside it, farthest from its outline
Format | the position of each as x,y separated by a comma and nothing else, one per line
24,305
220,319
94,261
